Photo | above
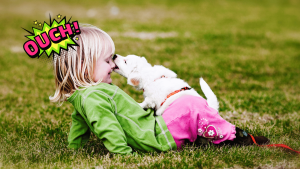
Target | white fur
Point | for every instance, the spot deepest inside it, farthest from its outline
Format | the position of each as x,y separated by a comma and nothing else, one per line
143,76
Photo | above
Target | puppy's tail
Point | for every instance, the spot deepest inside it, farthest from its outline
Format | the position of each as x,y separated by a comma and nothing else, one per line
209,94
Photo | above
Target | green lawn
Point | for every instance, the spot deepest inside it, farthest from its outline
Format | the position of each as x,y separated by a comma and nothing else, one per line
247,51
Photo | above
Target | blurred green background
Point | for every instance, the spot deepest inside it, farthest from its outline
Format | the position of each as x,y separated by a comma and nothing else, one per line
247,51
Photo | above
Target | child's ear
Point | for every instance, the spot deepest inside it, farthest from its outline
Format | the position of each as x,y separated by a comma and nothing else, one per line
133,79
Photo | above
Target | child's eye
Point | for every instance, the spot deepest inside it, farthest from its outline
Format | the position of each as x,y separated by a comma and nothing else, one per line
107,61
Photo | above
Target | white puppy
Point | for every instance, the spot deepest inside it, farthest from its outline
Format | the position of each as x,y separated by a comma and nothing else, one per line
160,85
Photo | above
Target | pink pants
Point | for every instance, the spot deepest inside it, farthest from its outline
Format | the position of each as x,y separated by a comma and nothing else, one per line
190,116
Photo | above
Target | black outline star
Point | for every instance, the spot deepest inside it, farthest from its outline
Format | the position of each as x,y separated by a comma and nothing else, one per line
35,22
58,16
40,24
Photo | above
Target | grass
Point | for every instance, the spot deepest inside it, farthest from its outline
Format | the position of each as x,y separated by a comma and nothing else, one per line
247,51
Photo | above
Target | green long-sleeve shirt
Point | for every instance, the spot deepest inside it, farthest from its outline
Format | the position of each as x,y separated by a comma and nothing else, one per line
117,120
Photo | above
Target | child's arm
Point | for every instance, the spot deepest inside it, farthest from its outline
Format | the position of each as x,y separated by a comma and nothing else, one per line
102,121
79,132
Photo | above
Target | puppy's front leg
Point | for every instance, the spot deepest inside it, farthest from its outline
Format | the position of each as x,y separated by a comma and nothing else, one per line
143,104
160,110
147,103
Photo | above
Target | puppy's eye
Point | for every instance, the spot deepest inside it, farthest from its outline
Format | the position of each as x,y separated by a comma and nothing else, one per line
125,61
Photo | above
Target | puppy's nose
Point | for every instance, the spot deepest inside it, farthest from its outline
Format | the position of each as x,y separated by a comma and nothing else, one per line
114,57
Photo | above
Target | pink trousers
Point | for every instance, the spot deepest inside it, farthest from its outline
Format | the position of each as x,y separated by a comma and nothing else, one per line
190,116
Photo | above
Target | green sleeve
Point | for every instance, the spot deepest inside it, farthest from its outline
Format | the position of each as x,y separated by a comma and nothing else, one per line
100,114
79,132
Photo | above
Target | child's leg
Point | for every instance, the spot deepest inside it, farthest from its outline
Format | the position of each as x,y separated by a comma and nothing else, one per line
190,117
243,138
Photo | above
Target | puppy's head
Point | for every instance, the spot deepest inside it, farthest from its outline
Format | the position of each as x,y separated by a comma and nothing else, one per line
131,68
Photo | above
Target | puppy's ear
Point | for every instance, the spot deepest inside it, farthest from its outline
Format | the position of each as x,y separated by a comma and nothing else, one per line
143,61
170,73
133,79
165,71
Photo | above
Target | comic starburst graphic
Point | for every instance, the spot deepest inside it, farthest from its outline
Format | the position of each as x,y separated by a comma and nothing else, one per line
54,47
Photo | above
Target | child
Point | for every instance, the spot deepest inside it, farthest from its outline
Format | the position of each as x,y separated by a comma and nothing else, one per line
82,77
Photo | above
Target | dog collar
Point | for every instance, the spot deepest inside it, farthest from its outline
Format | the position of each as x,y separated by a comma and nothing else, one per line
176,91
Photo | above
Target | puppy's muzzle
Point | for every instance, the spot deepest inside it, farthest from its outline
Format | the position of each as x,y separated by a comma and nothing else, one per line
116,67
114,57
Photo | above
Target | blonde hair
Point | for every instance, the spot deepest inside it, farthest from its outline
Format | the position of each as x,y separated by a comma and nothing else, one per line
74,68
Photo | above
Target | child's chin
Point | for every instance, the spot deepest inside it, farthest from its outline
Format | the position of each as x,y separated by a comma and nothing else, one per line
107,81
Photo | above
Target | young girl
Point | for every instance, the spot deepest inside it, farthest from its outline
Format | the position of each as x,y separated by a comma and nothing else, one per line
82,77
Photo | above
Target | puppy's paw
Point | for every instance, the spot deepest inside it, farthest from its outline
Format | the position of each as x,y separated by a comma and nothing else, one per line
151,105
143,105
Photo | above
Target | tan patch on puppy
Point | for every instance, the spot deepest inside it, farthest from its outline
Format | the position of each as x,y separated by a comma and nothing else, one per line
135,82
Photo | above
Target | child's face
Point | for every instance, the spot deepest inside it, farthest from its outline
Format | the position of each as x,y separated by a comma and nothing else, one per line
103,69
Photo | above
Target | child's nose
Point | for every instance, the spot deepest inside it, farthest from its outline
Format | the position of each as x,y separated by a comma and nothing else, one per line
112,65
